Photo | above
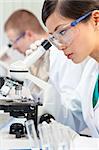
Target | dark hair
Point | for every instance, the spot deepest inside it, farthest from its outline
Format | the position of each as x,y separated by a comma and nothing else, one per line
68,8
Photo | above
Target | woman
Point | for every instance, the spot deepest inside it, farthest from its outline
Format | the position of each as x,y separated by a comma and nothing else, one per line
74,28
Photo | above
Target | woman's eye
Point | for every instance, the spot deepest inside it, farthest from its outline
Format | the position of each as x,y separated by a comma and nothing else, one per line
62,32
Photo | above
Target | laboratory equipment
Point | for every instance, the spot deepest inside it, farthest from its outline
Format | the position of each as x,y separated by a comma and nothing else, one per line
32,135
7,85
19,72
51,136
20,108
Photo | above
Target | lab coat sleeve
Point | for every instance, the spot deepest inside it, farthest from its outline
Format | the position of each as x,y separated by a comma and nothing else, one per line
64,74
71,114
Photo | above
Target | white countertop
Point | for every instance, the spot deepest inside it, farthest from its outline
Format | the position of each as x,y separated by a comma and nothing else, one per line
9,142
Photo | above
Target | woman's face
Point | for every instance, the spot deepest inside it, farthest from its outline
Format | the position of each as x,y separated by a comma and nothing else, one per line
81,41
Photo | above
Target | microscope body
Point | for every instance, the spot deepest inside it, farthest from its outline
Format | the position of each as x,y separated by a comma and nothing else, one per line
19,70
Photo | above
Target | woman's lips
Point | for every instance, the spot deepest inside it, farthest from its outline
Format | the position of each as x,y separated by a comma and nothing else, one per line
69,56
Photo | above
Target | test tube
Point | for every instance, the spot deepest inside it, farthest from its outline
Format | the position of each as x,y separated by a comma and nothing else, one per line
62,140
34,142
44,137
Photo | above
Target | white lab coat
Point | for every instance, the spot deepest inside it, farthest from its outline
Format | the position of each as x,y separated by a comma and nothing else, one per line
58,70
64,74
79,112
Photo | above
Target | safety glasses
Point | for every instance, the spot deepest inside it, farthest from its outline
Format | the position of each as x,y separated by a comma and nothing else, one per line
21,35
65,34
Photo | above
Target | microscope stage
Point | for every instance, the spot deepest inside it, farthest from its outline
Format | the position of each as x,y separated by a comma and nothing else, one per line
21,101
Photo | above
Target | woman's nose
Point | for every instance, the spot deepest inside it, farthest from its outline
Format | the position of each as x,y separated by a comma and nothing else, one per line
63,47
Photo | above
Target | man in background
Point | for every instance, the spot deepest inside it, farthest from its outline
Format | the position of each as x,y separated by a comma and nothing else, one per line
23,29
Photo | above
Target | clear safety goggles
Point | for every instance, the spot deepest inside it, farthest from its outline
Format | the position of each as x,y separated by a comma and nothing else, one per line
66,34
63,36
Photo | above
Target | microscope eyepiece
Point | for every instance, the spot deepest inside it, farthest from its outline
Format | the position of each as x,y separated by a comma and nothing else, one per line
46,44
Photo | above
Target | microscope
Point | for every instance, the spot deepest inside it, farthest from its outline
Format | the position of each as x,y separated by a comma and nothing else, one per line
19,71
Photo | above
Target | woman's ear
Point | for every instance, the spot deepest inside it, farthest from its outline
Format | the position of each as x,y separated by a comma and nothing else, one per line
95,17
